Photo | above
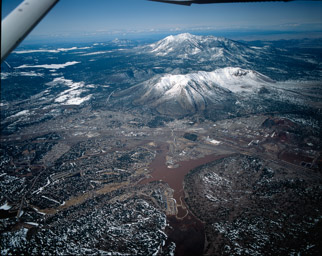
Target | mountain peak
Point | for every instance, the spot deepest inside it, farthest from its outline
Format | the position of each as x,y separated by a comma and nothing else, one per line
181,37
233,79
170,43
186,94
186,46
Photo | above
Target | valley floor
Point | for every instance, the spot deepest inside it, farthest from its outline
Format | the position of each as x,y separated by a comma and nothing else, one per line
55,173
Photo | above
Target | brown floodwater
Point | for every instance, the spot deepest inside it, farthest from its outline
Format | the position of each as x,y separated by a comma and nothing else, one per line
175,176
186,230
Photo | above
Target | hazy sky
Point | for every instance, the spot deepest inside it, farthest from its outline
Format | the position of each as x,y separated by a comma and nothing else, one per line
96,17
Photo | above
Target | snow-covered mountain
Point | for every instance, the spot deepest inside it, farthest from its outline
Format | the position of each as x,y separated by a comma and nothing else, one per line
211,48
191,53
180,95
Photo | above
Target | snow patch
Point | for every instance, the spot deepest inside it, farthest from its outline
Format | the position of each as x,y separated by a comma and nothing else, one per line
32,224
236,80
42,188
216,142
96,53
32,73
51,50
4,75
5,207
71,96
213,141
50,199
42,213
21,113
51,66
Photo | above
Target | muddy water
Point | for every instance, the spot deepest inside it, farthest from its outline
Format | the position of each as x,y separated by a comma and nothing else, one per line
187,231
175,176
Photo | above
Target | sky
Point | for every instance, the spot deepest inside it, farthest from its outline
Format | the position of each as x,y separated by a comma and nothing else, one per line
94,18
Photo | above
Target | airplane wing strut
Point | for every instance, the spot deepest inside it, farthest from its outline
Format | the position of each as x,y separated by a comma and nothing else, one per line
189,2
19,23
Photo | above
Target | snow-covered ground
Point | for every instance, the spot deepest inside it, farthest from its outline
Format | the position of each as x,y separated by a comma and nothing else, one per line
236,80
51,66
5,207
52,50
71,96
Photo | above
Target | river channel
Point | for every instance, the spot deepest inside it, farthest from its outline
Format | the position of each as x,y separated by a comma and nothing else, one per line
186,230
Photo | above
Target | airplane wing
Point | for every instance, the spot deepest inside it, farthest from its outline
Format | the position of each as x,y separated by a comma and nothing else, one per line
189,2
18,24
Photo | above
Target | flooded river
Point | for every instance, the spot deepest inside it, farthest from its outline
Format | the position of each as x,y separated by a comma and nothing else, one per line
187,231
